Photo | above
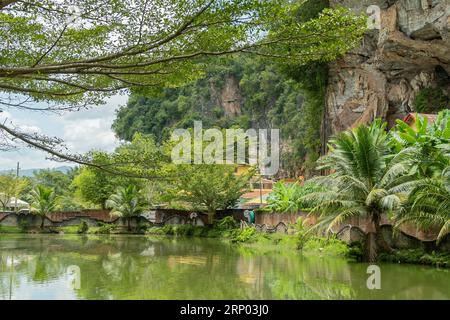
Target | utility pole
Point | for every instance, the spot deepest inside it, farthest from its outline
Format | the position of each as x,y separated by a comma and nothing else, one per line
260,190
15,195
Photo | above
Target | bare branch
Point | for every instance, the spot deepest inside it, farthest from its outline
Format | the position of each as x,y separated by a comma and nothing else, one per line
5,3
51,47
49,144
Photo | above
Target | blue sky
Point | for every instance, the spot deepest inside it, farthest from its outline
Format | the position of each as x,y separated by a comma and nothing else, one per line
81,130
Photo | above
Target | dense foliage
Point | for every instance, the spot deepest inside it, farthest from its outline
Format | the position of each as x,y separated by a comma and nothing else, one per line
244,92
11,186
67,59
127,202
43,202
288,198
240,92
403,174
208,187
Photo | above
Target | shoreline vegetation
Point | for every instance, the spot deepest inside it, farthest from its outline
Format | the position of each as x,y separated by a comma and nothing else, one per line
297,240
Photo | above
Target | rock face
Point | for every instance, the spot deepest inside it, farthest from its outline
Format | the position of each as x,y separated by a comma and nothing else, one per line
229,97
410,51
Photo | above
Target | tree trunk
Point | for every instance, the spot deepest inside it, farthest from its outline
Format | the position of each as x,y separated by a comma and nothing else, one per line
42,222
129,223
370,248
381,242
211,215
375,241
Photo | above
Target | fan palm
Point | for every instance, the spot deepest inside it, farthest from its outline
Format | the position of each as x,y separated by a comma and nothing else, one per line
126,203
43,202
365,182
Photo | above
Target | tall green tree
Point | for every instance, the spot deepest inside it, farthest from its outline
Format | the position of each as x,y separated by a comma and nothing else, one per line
43,202
365,182
92,185
58,180
130,161
127,202
208,187
11,186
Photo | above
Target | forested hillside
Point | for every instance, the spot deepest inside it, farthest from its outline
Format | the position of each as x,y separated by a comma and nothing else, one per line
243,91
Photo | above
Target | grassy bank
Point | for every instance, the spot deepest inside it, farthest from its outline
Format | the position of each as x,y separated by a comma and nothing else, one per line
418,256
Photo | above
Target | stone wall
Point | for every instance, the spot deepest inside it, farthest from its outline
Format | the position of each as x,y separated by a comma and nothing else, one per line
273,219
351,231
62,219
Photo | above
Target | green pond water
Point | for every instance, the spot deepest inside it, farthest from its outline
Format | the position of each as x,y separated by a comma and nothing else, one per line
137,267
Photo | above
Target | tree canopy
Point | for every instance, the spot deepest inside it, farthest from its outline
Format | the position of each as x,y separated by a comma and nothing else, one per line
73,57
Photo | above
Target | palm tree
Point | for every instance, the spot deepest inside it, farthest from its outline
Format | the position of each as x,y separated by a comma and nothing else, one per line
427,149
365,182
43,202
429,205
126,203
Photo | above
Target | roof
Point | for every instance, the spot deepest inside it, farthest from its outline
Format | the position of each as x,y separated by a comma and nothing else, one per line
256,193
411,117
20,203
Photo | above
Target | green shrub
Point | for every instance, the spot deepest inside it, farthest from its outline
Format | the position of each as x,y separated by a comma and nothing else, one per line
105,228
327,246
23,224
154,230
356,251
183,230
69,229
142,227
245,235
431,100
83,227
417,256
301,234
226,223
287,198
167,229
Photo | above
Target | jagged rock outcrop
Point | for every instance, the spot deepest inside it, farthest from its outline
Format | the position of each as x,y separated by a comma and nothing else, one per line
410,51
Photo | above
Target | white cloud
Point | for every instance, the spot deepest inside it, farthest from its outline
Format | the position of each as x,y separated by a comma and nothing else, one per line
85,135
82,131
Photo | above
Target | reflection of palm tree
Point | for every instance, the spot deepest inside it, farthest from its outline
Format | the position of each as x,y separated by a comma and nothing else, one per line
41,274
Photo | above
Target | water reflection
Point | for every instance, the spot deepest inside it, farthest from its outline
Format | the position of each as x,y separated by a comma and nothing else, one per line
134,267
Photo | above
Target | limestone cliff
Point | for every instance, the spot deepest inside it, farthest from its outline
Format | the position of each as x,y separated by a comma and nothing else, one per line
410,51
